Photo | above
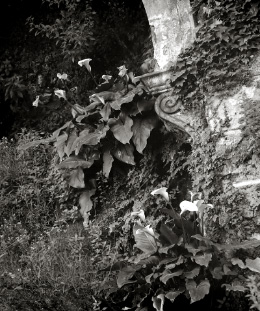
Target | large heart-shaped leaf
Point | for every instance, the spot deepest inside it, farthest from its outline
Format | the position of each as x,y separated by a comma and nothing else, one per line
168,235
116,104
125,275
197,292
144,239
77,178
87,138
125,153
74,162
121,129
107,162
141,131
72,137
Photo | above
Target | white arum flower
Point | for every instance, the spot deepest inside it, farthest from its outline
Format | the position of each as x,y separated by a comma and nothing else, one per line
122,71
188,206
85,62
139,214
63,76
162,191
36,102
106,78
147,229
60,93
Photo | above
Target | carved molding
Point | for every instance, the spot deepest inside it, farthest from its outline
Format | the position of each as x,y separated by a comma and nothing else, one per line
170,109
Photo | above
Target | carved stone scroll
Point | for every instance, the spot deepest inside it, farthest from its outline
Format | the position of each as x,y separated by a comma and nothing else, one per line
170,109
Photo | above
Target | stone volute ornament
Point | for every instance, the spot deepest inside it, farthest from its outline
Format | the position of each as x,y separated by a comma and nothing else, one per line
173,30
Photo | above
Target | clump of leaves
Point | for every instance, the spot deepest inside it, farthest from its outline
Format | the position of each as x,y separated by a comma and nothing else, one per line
177,259
118,120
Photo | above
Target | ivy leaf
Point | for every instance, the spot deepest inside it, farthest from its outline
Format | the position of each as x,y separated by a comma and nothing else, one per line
144,240
77,178
173,295
191,274
125,153
141,131
74,162
158,302
86,203
125,275
145,104
168,275
203,260
197,292
253,264
107,163
121,129
72,137
60,144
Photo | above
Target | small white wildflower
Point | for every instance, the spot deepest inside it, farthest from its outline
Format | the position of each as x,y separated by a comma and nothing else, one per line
139,214
162,191
85,62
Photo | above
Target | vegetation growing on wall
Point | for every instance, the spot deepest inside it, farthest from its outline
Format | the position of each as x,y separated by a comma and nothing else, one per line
115,152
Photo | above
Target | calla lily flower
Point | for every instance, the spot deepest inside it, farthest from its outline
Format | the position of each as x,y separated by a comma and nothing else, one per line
188,206
85,62
122,71
60,94
36,102
140,214
148,229
162,191
63,76
106,78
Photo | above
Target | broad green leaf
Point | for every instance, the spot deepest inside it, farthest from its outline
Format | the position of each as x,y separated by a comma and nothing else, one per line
172,295
125,275
77,178
191,274
168,235
107,162
106,111
72,137
60,144
87,138
121,129
85,203
74,162
158,302
116,104
253,264
167,275
197,292
141,131
36,143
66,125
203,260
152,260
144,241
125,153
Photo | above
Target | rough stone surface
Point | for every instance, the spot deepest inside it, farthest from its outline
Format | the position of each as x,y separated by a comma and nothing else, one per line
172,29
